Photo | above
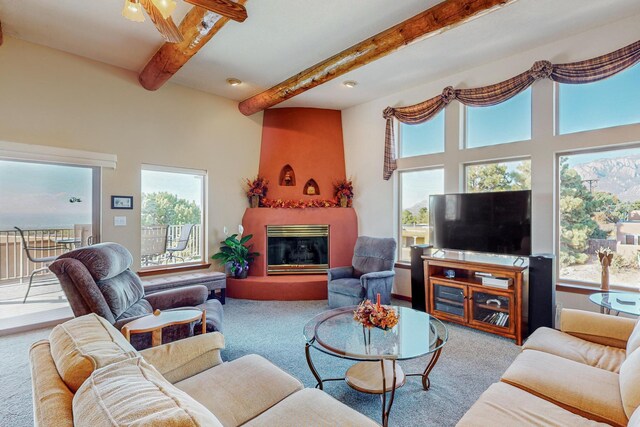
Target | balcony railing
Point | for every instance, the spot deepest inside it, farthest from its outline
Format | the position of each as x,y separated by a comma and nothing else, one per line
16,267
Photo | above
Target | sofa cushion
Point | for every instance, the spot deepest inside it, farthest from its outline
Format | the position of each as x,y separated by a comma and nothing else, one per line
348,286
587,391
84,344
505,405
310,407
634,340
630,383
122,292
104,260
133,393
238,391
573,348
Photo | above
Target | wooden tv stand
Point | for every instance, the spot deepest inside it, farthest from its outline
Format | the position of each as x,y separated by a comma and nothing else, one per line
464,300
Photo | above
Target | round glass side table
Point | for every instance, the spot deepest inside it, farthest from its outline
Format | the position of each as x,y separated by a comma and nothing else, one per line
622,302
336,333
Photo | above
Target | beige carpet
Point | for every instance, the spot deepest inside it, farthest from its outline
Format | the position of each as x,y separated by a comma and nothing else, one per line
470,362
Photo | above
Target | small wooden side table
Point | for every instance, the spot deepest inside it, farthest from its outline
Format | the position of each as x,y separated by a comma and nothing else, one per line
155,322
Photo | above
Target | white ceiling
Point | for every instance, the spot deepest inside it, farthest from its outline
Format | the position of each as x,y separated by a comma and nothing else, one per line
282,37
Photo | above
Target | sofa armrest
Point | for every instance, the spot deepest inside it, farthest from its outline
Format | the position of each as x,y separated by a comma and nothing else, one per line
377,275
185,358
339,273
189,296
596,327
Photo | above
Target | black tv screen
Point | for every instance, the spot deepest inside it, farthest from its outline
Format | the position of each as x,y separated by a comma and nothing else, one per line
498,223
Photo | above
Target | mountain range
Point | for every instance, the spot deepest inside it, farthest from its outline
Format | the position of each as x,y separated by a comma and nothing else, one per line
620,176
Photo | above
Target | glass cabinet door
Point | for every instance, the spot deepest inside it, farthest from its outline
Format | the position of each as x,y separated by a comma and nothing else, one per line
491,309
449,299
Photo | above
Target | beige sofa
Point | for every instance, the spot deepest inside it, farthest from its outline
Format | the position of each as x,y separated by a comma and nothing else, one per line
87,374
587,373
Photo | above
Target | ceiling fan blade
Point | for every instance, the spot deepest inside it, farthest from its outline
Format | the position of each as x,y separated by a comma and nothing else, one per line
166,27
228,8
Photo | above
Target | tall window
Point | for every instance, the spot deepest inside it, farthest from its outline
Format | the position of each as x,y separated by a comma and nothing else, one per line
611,102
425,138
509,121
415,189
172,216
498,176
599,201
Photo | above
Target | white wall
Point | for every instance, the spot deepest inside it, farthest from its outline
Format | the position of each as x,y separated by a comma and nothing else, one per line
49,97
364,129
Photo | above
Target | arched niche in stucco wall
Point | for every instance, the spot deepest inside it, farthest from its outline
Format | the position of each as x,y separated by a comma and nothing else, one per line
287,176
311,188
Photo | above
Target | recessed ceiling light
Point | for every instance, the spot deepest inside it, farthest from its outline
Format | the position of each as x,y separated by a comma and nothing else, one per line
350,83
234,82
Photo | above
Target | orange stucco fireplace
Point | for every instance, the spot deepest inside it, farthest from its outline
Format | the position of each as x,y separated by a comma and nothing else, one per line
301,148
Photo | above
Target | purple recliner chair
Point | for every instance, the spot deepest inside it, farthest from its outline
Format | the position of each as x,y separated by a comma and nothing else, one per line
98,279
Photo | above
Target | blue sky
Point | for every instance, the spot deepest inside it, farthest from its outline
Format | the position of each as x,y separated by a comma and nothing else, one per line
184,185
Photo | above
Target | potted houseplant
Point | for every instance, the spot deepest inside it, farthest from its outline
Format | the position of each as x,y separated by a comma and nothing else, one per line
344,192
256,190
235,253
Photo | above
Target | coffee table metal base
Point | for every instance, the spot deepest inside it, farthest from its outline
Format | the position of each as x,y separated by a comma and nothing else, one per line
376,377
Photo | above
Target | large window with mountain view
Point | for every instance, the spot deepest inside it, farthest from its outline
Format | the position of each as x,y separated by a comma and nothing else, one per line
498,176
599,207
415,188
172,211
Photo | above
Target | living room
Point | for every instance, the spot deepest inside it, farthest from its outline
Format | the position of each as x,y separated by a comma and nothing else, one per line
84,92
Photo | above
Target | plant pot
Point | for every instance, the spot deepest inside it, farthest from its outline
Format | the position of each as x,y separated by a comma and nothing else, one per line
242,275
344,202
254,201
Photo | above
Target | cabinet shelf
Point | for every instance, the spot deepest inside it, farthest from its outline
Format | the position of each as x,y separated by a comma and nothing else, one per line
463,299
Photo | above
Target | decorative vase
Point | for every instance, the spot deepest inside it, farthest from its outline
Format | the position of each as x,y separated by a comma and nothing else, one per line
242,274
254,201
344,202
605,257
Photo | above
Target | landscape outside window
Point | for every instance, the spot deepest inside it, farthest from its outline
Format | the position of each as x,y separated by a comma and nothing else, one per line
415,188
498,176
171,217
424,138
599,201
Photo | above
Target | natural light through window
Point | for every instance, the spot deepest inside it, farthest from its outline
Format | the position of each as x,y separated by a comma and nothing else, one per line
509,121
424,138
600,207
172,216
498,176
415,189
611,102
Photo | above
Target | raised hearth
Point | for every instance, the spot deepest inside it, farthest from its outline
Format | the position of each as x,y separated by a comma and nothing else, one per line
297,249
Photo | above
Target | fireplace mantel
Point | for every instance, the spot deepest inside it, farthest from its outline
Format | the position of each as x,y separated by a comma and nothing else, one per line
343,231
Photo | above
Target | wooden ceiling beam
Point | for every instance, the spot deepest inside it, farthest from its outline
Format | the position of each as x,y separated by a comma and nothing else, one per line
1,36
435,20
227,8
197,28
166,27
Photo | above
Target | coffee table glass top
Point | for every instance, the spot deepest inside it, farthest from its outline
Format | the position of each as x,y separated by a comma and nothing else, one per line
336,333
624,302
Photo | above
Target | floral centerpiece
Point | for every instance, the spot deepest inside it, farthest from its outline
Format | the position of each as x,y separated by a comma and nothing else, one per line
375,315
236,254
256,190
343,191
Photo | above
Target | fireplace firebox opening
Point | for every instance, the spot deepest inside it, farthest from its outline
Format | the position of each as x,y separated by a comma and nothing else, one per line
297,249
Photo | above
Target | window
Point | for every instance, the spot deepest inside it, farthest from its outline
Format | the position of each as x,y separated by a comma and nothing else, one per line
498,176
509,121
172,216
425,138
599,206
415,189
611,102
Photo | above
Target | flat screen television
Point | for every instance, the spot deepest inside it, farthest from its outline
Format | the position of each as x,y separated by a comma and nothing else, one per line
497,223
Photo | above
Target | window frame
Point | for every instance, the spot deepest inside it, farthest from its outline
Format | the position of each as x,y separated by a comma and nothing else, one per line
400,200
556,214
203,246
464,117
400,139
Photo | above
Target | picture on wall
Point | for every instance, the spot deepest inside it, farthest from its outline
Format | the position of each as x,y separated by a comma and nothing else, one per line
121,202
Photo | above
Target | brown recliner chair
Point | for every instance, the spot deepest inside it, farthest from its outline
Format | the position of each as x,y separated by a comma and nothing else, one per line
97,279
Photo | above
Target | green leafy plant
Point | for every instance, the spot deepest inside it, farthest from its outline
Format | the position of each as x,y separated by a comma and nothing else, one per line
236,253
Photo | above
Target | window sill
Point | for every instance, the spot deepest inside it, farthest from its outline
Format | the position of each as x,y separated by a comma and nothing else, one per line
173,269
588,290
403,265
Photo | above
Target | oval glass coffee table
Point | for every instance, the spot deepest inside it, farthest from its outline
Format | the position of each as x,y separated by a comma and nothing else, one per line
417,334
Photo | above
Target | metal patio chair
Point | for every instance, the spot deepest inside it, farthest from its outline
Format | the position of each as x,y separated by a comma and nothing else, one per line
154,243
181,243
31,252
